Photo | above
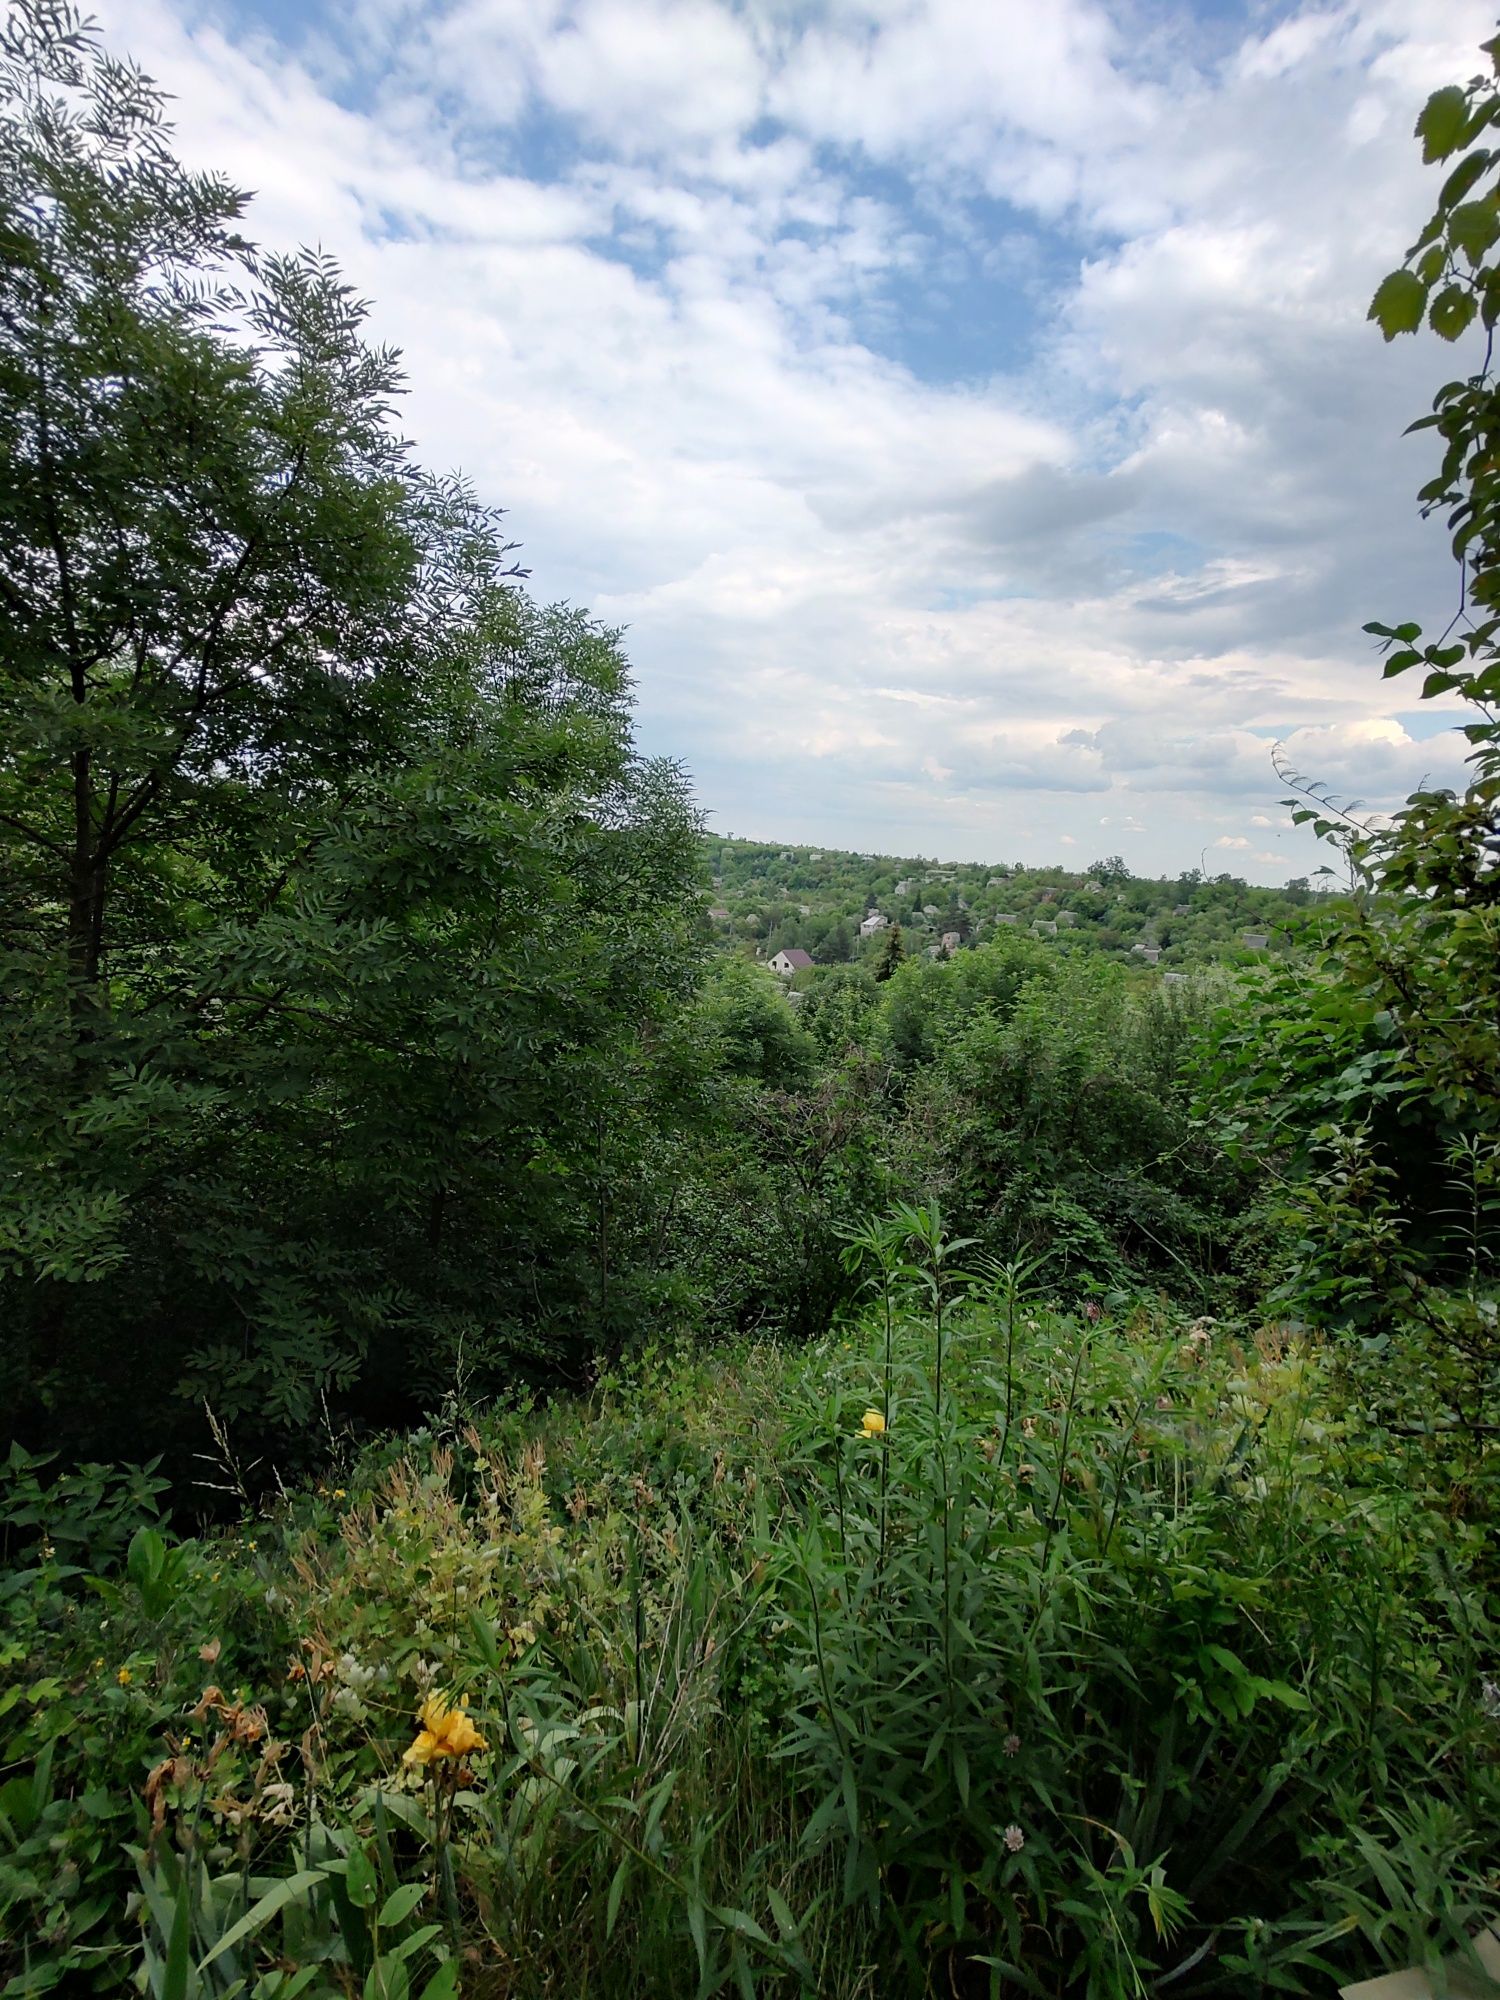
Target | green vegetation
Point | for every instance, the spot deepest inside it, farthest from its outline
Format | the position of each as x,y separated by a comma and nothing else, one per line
969,1469
764,899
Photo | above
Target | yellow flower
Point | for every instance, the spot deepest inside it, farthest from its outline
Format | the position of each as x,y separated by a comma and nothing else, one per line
338,1492
98,1664
423,1750
124,1677
446,1731
873,1424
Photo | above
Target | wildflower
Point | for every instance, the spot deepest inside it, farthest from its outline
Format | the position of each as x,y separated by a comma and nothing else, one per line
124,1677
446,1731
1012,1745
98,1666
873,1424
1014,1839
1489,1697
338,1493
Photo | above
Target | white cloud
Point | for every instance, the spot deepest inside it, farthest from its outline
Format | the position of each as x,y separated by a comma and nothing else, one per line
870,600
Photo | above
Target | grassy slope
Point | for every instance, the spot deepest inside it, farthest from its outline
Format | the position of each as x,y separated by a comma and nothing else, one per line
1124,1646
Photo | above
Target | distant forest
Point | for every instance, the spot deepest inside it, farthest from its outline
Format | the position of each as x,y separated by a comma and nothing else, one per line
766,898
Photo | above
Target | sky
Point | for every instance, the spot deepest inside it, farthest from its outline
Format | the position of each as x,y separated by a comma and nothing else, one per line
967,407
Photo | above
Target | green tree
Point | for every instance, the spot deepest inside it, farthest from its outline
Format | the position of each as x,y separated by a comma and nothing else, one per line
892,952
1374,1088
336,910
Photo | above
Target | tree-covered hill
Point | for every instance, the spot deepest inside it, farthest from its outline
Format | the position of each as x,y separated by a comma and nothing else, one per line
761,898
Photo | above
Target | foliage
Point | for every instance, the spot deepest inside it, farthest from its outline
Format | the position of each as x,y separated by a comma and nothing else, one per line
1106,1656
334,892
1366,1088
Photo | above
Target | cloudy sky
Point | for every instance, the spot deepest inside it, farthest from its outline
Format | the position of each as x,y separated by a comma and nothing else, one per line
967,405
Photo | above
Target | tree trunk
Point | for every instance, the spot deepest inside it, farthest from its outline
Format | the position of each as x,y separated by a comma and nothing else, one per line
85,899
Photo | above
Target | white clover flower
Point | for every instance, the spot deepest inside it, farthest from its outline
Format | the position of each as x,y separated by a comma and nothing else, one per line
1014,1839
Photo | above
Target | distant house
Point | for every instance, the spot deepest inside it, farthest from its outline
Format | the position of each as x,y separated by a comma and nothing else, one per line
1255,940
1182,909
1066,918
1174,978
903,888
718,913
1043,928
873,923
785,963
1007,917
951,940
1150,952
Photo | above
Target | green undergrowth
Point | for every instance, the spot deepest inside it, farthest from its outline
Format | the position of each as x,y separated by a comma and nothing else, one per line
1121,1659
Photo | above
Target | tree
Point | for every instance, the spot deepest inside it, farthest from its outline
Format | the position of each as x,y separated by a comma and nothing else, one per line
336,910
1428,934
892,951
1377,1083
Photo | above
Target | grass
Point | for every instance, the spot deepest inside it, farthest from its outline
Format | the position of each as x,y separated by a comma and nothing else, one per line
1128,1658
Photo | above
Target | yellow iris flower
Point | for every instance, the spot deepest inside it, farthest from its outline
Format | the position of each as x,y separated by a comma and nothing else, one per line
446,1731
873,1424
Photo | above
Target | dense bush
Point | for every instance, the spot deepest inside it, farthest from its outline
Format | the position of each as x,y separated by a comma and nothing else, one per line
974,1649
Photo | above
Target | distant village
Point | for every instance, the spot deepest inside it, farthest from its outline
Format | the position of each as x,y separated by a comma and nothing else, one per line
796,909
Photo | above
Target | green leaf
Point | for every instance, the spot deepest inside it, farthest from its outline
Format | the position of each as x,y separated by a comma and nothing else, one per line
410,1946
484,1639
359,1879
699,1931
177,1972
1452,312
616,1892
1399,662
1473,227
294,1889
400,1903
1441,121
387,1979
736,1920
443,1984
1398,304
1463,178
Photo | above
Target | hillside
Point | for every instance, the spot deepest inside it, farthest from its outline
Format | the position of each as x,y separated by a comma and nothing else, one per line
763,899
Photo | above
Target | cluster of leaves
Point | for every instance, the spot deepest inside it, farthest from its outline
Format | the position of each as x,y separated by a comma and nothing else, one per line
337,911
976,1648
1364,1089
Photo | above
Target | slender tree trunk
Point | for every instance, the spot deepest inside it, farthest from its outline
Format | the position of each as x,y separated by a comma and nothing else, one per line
85,898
